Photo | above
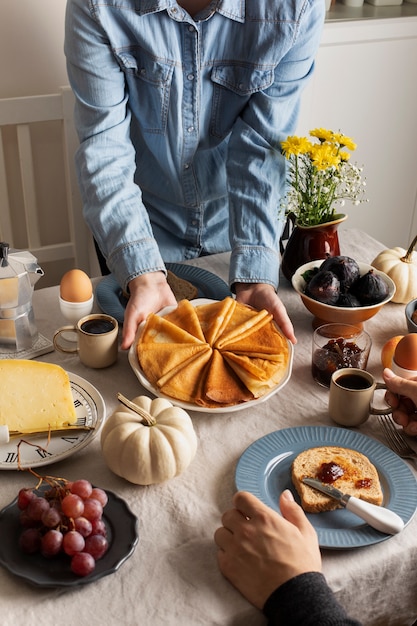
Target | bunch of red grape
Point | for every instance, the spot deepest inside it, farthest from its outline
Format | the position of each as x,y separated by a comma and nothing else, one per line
66,518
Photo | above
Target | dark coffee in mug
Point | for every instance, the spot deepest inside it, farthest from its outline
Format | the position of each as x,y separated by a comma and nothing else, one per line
354,382
97,326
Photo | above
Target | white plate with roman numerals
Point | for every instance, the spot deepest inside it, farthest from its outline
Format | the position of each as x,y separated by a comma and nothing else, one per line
35,450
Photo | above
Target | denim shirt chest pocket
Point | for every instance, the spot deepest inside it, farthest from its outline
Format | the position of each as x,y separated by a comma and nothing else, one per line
149,84
233,85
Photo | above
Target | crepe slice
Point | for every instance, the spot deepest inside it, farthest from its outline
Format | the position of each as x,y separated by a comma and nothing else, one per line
265,341
214,317
237,332
222,386
158,359
158,330
184,381
243,317
185,316
259,375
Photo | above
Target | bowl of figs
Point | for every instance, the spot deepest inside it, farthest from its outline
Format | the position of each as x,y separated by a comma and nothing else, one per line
341,289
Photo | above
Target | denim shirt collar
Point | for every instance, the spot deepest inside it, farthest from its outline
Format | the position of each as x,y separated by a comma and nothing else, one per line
233,9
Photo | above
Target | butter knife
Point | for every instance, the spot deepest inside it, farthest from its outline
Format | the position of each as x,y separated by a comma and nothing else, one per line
378,517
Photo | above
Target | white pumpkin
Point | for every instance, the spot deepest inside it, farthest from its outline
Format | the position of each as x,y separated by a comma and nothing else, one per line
148,441
401,266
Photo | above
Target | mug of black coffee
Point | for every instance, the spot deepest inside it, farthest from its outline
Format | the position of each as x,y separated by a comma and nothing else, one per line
351,395
96,340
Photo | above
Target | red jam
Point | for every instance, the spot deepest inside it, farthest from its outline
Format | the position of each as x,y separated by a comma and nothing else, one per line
363,483
329,472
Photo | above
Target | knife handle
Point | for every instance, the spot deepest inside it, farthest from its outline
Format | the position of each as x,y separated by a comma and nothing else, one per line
378,517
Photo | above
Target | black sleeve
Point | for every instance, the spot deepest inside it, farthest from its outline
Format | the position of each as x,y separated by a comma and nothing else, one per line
306,600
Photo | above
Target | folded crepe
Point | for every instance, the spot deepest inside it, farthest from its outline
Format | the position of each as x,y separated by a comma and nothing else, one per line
217,354
258,374
185,317
184,381
159,330
237,331
159,359
222,386
263,340
214,317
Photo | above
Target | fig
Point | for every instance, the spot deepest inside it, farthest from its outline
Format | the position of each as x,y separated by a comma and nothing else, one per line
324,287
345,268
370,288
348,300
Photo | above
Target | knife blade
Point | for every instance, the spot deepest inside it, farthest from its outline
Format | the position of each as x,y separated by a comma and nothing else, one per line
380,518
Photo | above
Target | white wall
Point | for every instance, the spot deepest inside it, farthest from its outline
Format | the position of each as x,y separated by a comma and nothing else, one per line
32,60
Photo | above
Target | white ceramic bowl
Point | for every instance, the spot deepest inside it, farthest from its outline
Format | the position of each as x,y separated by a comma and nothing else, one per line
327,313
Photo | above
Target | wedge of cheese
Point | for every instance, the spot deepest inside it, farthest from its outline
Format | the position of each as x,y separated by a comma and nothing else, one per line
35,397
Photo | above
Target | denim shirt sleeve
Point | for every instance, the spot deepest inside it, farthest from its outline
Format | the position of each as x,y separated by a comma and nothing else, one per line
224,168
255,161
105,160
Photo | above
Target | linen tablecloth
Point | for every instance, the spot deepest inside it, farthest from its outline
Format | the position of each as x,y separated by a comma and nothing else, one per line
172,578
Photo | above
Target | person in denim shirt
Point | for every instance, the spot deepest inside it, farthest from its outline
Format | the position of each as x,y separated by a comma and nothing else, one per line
180,111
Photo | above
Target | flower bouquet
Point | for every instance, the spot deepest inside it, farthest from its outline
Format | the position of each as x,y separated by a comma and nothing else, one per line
320,177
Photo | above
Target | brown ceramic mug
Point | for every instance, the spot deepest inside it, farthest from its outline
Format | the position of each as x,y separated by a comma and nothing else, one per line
351,395
96,340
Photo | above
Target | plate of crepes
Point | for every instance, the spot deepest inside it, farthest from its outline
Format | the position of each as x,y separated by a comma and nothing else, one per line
366,469
46,413
208,355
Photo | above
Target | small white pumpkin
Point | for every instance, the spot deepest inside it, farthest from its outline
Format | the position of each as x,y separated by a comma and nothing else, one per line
401,266
148,441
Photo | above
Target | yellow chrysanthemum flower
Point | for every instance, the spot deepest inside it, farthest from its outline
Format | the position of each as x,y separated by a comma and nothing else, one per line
344,142
322,134
295,145
324,156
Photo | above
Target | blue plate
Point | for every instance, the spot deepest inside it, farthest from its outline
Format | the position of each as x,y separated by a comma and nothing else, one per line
264,469
110,298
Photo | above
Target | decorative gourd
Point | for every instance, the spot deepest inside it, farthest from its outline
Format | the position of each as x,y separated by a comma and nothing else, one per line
148,441
401,266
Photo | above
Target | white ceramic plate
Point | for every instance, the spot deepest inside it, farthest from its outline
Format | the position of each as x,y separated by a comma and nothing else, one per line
90,410
264,469
133,360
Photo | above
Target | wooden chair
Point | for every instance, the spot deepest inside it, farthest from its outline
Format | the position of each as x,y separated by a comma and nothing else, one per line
40,205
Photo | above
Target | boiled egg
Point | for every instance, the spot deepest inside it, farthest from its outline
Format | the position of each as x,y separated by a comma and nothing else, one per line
75,286
405,355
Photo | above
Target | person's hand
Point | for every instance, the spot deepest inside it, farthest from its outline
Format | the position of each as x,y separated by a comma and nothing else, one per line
402,397
262,296
259,549
149,293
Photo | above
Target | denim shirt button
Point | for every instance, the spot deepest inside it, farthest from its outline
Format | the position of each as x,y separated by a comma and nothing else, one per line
190,76
186,166
190,129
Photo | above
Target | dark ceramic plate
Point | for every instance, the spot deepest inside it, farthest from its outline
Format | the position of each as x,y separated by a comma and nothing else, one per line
111,300
122,535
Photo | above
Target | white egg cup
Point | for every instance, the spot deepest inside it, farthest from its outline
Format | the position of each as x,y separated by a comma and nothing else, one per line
401,371
74,311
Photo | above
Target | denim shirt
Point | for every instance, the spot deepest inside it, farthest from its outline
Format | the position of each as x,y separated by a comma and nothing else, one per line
180,121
